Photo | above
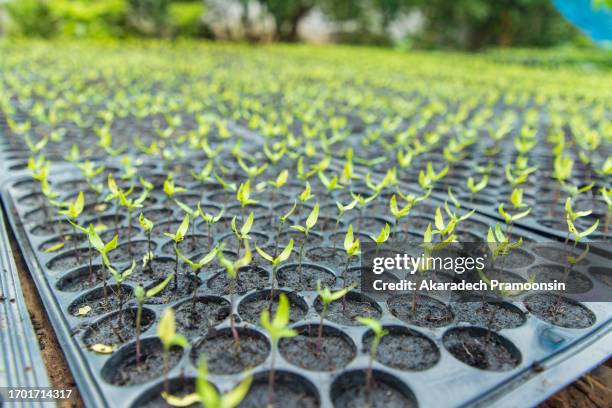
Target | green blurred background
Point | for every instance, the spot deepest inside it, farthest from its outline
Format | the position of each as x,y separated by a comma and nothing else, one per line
422,24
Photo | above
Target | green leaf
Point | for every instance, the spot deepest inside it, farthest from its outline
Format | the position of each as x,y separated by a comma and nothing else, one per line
264,254
248,224
112,244
284,255
312,218
155,290
181,232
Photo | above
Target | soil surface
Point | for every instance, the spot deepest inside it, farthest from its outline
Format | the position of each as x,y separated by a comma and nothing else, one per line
224,356
352,392
404,349
334,351
96,301
178,387
426,312
560,311
575,282
79,280
122,369
251,307
481,348
209,311
116,330
290,276
345,311
289,391
492,315
249,278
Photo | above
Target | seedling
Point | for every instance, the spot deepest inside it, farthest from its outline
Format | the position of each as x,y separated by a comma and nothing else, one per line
606,193
351,247
197,267
119,277
232,269
274,263
204,174
252,171
277,329
142,296
342,209
242,234
476,187
305,230
382,236
73,211
103,249
130,205
227,187
207,394
243,196
170,188
210,220
362,202
193,215
511,218
147,226
282,220
327,297
178,237
166,331
379,332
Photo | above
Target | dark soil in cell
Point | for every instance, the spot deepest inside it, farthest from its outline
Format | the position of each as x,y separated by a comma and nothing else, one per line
300,209
602,274
363,237
67,239
333,352
33,199
257,238
40,214
209,311
110,232
291,276
427,312
515,259
26,185
169,227
95,300
225,356
191,200
121,369
313,239
219,228
117,328
123,253
560,311
325,223
183,286
575,282
51,227
556,254
250,308
333,257
158,268
369,225
69,259
237,211
490,314
178,387
345,311
155,215
79,280
72,185
404,349
481,348
350,390
290,390
249,278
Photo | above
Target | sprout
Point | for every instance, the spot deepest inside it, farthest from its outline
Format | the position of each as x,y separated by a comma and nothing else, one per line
119,277
170,188
362,202
209,220
382,237
147,226
197,266
166,331
476,187
342,209
178,237
330,185
193,214
103,249
207,394
242,234
327,297
130,205
274,262
351,247
232,269
251,171
73,211
204,174
277,329
305,230
571,216
142,296
379,333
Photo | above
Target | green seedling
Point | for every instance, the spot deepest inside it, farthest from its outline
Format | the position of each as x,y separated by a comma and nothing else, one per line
252,171
509,219
227,187
147,226
130,205
606,194
571,216
207,395
142,296
197,267
103,249
362,202
232,269
72,212
170,188
178,237
277,329
382,236
119,277
378,332
305,230
242,234
166,331
329,184
327,297
210,220
193,215
474,187
342,209
274,263
282,220
205,173
351,247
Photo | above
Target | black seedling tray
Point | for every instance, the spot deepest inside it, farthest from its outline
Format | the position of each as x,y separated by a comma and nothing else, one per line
20,357
533,347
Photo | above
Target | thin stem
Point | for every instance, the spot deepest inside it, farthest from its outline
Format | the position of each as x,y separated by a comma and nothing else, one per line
138,319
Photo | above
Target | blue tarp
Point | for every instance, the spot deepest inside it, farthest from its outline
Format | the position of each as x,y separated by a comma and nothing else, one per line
596,22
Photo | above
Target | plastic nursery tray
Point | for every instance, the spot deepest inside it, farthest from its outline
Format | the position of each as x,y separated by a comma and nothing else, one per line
20,357
536,349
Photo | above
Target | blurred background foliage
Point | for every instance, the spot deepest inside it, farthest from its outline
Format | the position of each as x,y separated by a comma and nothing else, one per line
429,24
